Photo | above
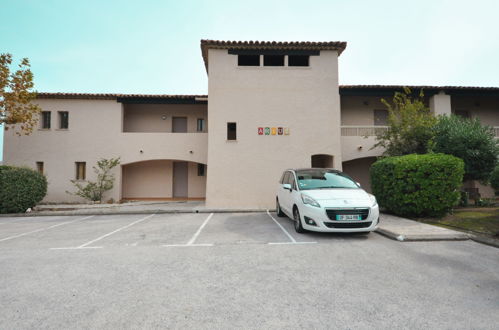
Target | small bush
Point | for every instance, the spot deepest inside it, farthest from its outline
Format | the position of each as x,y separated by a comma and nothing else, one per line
418,185
20,188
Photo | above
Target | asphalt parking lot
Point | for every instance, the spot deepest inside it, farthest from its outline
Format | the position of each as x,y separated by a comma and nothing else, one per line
235,271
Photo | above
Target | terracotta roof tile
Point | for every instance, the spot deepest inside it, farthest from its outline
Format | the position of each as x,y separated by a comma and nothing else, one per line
112,96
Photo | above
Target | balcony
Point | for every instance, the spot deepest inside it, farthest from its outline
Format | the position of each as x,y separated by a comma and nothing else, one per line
137,146
357,141
366,131
362,130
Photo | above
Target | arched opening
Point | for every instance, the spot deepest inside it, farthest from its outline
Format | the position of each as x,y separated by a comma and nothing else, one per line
322,161
163,180
358,169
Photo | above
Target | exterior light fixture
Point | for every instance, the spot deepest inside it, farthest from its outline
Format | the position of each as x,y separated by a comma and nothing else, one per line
163,117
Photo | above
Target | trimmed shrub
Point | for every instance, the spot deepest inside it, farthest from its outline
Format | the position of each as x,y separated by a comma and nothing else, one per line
418,185
20,188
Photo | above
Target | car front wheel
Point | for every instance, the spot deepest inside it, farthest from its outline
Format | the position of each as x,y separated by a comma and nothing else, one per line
298,225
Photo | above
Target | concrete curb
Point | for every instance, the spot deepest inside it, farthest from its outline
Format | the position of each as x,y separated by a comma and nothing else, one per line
485,240
456,236
117,212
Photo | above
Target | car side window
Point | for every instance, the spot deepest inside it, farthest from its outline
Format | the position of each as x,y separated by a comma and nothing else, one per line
285,178
292,181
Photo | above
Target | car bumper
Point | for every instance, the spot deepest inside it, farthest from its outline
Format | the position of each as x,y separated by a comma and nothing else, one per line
324,224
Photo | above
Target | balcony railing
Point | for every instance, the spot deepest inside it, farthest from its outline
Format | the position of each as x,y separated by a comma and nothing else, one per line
373,130
362,130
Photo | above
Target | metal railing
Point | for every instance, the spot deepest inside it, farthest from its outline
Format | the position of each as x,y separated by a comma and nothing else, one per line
362,130
373,130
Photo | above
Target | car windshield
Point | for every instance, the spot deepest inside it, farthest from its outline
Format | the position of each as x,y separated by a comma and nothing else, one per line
323,179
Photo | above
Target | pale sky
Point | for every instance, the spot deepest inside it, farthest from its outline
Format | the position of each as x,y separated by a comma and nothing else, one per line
152,46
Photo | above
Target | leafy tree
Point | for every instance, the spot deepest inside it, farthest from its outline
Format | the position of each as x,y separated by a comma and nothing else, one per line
469,140
16,94
410,124
94,190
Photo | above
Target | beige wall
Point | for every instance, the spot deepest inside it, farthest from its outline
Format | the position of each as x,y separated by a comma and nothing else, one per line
196,184
95,132
244,173
151,179
149,117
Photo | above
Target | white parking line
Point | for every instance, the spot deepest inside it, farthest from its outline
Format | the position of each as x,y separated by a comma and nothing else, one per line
43,229
194,237
85,245
186,245
293,241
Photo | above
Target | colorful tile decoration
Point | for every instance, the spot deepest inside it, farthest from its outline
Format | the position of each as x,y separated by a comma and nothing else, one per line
273,130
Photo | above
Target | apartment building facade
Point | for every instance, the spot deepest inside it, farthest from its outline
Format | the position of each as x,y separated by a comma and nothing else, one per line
270,106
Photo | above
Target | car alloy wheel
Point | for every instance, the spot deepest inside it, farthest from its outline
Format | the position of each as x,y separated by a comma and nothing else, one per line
298,225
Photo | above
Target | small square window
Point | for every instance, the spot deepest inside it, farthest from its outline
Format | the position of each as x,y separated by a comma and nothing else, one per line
201,170
298,60
39,167
80,170
63,119
248,60
273,60
380,117
231,131
46,119
201,125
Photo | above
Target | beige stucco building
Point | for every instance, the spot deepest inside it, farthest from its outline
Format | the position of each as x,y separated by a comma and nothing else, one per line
270,106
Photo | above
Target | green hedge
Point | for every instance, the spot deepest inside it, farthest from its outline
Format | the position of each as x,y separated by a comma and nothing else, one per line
20,188
417,185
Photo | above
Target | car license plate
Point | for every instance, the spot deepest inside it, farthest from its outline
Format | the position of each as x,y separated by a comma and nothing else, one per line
348,217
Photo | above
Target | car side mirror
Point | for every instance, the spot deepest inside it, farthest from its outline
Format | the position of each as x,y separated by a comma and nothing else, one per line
287,186
358,184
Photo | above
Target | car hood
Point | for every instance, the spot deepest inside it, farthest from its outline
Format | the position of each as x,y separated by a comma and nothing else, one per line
340,197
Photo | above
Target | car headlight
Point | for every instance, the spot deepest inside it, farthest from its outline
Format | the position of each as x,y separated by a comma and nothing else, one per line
309,200
373,200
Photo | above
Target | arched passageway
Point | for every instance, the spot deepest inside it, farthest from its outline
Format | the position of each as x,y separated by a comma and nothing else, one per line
163,180
358,169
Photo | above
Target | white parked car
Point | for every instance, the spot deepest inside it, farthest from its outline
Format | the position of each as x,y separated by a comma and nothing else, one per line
325,200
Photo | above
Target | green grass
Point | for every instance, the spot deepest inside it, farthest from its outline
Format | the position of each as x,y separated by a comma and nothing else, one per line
485,221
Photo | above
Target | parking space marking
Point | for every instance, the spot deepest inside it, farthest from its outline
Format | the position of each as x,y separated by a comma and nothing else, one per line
186,245
194,237
85,245
288,243
293,241
43,229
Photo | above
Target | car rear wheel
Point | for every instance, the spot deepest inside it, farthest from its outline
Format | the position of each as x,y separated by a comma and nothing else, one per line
278,209
297,218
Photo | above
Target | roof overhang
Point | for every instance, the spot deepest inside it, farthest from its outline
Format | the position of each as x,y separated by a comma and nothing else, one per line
389,90
266,46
